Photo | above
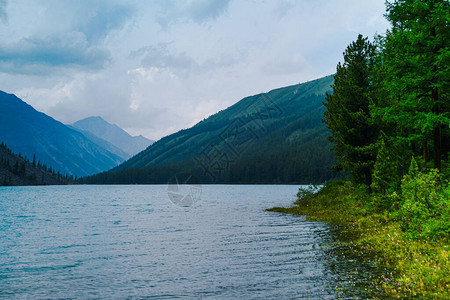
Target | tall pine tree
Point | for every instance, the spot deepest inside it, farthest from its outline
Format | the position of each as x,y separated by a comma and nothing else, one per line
416,61
347,112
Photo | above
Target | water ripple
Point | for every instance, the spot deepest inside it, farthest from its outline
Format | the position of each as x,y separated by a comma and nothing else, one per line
81,242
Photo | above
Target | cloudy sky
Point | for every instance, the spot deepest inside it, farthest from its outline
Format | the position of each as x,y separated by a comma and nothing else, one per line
154,67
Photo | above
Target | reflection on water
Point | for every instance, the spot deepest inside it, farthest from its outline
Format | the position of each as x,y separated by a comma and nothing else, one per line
132,241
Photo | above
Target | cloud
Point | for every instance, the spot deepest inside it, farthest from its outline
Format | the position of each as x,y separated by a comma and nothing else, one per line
3,14
106,94
286,65
154,67
160,57
199,11
96,19
202,10
36,55
49,37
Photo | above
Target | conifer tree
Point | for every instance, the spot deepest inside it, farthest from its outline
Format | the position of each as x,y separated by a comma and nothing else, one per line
413,168
347,114
385,173
416,58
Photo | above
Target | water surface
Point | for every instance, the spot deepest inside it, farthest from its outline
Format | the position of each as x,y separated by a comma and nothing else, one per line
132,241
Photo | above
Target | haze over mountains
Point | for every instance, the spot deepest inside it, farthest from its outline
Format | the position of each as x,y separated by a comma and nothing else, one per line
69,151
275,137
115,135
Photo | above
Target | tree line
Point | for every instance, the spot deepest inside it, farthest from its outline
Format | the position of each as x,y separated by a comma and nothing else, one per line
34,172
389,112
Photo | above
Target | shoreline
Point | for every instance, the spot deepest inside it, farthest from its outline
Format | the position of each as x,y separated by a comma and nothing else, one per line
415,267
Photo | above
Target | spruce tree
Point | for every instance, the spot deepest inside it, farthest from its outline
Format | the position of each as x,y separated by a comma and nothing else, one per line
416,58
385,173
347,114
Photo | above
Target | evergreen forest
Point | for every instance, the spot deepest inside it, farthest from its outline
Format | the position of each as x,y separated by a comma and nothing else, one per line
275,137
16,169
389,115
389,119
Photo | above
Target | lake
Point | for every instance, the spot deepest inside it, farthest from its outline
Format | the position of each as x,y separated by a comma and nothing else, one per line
140,242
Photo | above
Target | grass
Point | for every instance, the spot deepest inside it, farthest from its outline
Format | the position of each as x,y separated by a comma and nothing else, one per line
415,268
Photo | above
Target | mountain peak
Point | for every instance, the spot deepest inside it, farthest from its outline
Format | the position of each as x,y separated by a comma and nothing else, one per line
92,119
30,133
115,135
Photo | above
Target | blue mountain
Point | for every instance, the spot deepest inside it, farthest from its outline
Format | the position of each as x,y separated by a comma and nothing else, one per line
114,135
66,150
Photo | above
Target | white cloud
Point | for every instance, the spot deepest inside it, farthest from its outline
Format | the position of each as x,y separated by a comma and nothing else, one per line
35,55
3,14
43,37
199,11
295,63
154,67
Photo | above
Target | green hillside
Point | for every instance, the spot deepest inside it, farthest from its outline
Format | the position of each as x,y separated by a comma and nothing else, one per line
18,170
275,137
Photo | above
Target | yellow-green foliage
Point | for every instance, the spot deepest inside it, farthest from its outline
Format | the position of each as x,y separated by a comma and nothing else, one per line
425,206
418,265
420,268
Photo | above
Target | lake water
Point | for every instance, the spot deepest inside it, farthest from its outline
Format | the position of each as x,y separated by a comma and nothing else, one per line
134,242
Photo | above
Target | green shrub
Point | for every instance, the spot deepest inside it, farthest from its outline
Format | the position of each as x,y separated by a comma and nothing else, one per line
305,192
424,210
385,202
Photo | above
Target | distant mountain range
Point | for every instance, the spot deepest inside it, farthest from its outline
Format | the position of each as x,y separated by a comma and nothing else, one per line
128,145
64,149
275,137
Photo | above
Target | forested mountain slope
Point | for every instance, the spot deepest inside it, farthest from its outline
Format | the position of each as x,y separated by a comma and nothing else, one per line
17,170
275,137
66,150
